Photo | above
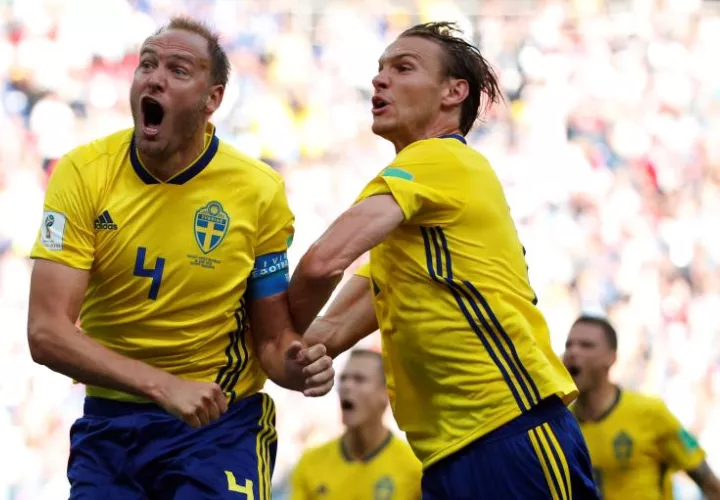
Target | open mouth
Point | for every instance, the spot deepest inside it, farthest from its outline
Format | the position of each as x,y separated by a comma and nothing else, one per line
152,115
573,370
378,103
347,405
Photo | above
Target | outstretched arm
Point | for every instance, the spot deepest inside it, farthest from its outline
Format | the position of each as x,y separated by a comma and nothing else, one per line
356,231
349,318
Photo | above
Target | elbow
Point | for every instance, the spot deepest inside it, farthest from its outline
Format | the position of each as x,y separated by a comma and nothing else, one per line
40,342
316,265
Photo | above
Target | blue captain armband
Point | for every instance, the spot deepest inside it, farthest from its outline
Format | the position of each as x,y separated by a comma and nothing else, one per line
270,276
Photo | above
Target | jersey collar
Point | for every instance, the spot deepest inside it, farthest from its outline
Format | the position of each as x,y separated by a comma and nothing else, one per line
346,455
453,136
606,413
202,161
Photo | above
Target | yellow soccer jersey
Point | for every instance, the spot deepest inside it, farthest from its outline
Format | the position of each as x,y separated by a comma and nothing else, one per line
635,447
328,473
170,262
465,348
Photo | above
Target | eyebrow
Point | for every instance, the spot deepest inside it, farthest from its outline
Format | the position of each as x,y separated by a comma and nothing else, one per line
187,59
400,55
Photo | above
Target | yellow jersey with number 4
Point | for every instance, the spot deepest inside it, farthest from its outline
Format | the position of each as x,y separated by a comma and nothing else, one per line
170,262
636,446
465,347
327,472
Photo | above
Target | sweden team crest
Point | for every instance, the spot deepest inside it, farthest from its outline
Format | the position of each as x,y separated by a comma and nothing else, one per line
211,226
384,488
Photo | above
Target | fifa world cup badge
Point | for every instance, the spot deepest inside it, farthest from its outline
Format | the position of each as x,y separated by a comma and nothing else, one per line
49,221
53,231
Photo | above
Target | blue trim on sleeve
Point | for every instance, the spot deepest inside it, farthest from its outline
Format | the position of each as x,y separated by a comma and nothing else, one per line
270,276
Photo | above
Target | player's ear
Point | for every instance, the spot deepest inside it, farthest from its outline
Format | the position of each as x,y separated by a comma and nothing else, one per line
612,358
456,92
383,397
214,98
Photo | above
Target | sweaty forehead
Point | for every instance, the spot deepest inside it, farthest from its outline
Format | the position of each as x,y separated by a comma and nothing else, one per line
415,47
178,43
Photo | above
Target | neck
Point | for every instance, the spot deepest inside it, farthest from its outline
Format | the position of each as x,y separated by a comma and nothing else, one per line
166,167
362,441
402,141
593,404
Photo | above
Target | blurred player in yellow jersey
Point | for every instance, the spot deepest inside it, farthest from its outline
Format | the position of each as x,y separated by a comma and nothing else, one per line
171,247
471,374
367,462
635,442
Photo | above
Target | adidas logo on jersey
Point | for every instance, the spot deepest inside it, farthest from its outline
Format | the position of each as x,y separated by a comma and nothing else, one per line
104,221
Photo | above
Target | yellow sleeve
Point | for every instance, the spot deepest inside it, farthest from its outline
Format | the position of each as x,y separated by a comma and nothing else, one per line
66,235
428,189
680,450
363,271
276,226
299,488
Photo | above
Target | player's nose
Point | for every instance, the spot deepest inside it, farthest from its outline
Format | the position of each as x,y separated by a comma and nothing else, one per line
381,80
157,80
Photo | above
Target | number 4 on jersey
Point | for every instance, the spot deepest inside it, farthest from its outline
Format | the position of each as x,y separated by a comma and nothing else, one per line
154,273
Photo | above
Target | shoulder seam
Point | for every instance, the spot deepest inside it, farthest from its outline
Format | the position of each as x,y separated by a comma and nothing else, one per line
251,162
70,156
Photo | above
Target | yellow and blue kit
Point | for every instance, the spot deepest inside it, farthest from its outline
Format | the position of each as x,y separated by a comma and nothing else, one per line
471,374
172,267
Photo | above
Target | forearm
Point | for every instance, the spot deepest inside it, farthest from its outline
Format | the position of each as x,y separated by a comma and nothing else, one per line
343,326
321,269
337,337
66,349
706,480
271,354
711,489
308,294
349,318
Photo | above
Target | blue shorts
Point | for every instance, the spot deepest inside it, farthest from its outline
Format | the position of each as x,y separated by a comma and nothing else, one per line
134,451
539,455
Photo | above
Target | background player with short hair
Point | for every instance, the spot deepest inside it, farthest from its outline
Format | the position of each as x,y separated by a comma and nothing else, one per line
171,246
367,461
471,374
635,442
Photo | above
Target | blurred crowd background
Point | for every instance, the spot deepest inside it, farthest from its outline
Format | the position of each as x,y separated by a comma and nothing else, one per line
608,144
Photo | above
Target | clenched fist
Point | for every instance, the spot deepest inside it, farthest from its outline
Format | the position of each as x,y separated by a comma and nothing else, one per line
197,403
312,365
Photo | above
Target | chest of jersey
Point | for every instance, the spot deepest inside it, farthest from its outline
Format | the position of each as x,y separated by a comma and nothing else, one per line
619,444
624,457
380,480
173,244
